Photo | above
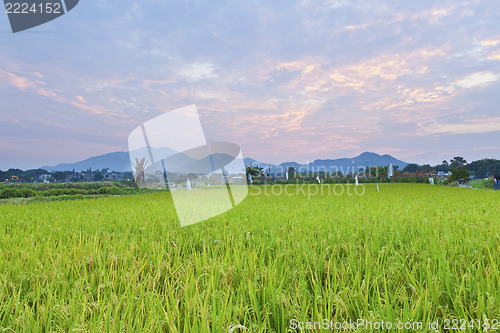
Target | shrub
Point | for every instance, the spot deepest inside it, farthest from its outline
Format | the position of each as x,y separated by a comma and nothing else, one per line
460,172
110,190
9,193
488,183
64,191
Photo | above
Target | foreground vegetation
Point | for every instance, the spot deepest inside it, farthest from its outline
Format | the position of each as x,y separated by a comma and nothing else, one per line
36,192
411,252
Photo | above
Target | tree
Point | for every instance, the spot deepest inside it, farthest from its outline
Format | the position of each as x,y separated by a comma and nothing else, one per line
98,177
442,167
16,172
4,176
60,175
426,167
139,166
291,172
268,173
456,161
411,168
485,168
254,171
34,174
460,172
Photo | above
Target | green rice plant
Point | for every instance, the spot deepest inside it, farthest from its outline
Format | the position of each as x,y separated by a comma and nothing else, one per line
409,253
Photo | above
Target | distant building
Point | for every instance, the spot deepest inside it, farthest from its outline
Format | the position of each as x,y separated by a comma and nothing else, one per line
113,176
88,176
45,177
73,176
443,174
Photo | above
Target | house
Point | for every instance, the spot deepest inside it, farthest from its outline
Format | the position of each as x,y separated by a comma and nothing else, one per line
89,177
443,174
45,177
113,176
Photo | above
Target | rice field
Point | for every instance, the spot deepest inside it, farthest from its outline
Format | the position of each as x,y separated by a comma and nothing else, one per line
410,253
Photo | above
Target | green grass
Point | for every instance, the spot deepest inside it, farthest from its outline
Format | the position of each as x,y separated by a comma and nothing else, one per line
409,253
482,183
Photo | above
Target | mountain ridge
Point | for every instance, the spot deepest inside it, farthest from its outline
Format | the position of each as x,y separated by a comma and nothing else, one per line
120,162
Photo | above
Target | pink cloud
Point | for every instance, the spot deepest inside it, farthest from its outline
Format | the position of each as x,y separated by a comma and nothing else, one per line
17,81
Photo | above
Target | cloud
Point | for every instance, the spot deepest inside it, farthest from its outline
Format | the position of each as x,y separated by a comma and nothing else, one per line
26,84
337,3
81,99
473,126
277,77
490,42
494,56
18,81
477,79
198,71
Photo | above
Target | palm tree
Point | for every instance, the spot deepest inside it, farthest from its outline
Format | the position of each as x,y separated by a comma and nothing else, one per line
139,166
254,171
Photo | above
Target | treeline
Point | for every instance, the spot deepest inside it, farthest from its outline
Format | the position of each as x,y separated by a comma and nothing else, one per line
66,190
40,175
22,176
479,169
9,193
456,170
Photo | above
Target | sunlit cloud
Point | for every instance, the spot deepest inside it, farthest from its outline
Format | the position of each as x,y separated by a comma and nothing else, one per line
477,79
40,88
302,81
473,126
490,42
494,56
198,71
18,81
81,99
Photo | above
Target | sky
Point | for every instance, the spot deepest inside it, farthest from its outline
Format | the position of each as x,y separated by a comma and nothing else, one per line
286,80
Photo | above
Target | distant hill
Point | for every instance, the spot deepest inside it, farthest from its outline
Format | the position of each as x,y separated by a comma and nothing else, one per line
344,165
119,161
363,160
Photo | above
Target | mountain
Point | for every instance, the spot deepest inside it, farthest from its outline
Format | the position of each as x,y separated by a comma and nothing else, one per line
117,161
346,165
258,164
120,161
